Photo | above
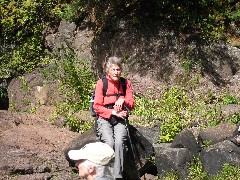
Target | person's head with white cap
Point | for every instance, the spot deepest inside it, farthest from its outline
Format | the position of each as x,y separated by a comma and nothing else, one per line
92,160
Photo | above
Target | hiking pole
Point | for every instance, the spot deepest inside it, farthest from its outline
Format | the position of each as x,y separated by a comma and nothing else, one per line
131,143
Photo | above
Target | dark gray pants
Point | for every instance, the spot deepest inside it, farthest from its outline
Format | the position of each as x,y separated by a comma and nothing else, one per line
116,137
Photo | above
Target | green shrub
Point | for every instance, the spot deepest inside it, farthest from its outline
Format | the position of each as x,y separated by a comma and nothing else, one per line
171,176
179,110
206,143
234,119
188,63
173,104
176,109
147,108
22,49
25,87
196,171
76,85
3,92
229,172
228,99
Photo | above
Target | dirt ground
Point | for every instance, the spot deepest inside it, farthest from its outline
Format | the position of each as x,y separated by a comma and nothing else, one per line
32,148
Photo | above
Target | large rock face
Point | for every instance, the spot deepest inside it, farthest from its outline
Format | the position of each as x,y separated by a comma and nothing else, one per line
31,91
155,57
69,34
154,61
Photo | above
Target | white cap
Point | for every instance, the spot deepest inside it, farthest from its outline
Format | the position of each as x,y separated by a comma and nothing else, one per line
97,152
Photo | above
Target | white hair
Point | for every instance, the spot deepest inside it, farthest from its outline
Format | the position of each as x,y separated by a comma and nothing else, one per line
113,60
100,169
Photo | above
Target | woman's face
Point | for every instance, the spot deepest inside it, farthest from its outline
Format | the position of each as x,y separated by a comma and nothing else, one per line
114,72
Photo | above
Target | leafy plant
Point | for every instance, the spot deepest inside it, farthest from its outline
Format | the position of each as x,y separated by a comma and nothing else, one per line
25,86
76,85
22,23
3,92
234,119
171,176
229,172
176,109
228,99
172,104
148,109
206,143
196,170
34,109
187,64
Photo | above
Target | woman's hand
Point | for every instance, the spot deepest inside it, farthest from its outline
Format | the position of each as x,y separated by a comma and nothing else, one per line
118,106
121,114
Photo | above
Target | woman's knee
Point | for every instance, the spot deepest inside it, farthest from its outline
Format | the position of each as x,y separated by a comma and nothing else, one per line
108,140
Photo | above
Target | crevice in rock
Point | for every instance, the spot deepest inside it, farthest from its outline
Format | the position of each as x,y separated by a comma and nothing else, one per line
4,100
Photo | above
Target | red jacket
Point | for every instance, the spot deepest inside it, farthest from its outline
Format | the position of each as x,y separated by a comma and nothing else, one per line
100,101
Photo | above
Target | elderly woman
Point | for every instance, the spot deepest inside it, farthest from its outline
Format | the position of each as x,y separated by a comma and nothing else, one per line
111,111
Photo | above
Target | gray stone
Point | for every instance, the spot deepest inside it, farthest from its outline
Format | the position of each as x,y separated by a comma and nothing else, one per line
150,133
214,157
173,160
186,139
217,133
230,109
30,91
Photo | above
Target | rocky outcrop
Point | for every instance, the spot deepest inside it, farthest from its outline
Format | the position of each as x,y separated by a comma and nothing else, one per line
212,145
32,91
78,37
154,61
